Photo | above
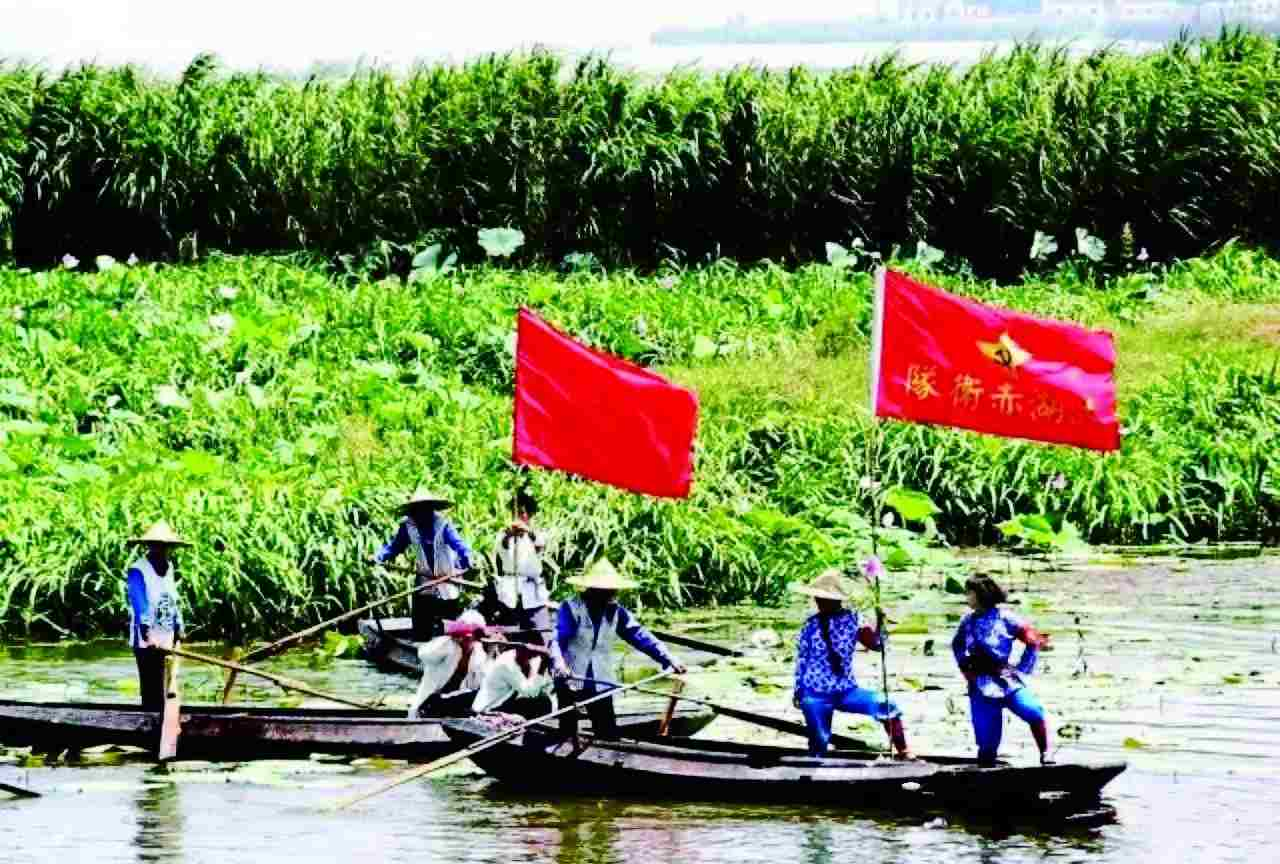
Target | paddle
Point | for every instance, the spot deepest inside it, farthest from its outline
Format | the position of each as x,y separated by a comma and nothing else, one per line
171,726
764,720
286,683
486,743
289,641
18,791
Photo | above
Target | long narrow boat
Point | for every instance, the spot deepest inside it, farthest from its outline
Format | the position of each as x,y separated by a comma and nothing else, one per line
387,645
718,770
232,733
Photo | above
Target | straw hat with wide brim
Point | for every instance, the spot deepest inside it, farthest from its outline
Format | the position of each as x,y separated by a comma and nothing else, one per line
602,575
828,586
160,533
427,498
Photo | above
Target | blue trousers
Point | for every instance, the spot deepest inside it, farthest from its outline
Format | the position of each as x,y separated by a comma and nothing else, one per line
819,710
988,717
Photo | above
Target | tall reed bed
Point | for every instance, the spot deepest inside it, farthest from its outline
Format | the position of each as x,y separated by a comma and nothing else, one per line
1180,145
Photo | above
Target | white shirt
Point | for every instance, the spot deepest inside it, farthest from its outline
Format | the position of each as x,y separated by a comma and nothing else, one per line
505,680
440,658
520,578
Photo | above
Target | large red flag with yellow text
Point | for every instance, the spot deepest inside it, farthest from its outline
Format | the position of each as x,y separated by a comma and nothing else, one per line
941,359
584,411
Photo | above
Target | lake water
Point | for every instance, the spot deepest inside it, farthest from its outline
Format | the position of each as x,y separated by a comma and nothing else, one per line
1171,664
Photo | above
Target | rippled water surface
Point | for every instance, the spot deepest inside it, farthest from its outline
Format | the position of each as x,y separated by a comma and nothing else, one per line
1169,664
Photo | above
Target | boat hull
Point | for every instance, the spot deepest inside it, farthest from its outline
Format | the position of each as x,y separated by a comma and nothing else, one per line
234,733
719,771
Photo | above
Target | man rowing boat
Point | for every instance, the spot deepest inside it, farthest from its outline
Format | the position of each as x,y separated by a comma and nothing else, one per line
438,552
586,628
155,611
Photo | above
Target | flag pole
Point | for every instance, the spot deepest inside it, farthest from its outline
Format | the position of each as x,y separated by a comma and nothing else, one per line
873,467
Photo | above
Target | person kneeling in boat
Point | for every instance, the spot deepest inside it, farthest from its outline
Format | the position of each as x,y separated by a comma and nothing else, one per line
155,613
453,666
824,666
582,651
982,646
517,682
439,553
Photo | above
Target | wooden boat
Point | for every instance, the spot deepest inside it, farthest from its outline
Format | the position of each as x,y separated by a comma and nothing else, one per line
235,733
388,644
718,770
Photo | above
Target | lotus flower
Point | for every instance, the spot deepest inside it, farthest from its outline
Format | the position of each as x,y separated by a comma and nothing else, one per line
872,568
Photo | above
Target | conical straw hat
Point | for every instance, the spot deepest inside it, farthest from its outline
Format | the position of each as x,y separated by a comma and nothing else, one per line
426,496
603,575
160,533
828,586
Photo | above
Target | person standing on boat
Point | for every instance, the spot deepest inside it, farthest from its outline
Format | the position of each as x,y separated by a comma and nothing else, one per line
439,552
824,666
453,666
155,612
517,682
982,646
519,590
582,651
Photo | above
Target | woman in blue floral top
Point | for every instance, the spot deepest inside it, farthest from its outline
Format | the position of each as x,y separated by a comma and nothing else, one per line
983,645
824,667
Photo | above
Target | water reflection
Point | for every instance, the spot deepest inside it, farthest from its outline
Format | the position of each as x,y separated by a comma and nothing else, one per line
158,813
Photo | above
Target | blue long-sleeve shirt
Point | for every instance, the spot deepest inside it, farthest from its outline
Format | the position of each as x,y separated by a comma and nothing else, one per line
628,628
985,640
136,593
400,542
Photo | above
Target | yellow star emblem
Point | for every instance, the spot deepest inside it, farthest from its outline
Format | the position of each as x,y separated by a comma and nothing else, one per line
1005,352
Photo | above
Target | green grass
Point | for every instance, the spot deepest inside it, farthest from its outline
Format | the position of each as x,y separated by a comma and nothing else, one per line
277,416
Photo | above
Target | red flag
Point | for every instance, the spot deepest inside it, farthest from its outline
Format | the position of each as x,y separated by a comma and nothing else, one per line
587,412
937,358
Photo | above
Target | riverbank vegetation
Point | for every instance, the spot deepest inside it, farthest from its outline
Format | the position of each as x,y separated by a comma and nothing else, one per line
1176,149
276,414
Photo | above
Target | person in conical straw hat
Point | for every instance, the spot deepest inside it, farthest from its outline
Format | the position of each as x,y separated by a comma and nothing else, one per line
582,652
155,612
824,665
438,552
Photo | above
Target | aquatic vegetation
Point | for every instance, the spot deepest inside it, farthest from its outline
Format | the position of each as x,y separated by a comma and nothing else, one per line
278,413
1172,153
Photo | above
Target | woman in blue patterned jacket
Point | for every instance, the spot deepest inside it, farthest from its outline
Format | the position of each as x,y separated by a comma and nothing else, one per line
982,646
824,666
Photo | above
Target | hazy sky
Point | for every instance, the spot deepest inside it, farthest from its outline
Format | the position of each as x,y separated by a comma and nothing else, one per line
166,34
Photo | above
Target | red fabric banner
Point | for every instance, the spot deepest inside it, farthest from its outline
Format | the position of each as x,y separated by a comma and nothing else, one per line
941,359
584,411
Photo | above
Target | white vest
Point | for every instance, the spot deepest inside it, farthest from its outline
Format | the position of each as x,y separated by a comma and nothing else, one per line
442,558
586,648
162,603
520,578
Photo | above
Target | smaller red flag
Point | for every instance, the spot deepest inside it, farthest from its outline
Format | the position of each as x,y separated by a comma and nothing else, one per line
584,411
941,359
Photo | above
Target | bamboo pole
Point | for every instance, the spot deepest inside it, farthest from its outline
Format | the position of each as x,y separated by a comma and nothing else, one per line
286,683
486,743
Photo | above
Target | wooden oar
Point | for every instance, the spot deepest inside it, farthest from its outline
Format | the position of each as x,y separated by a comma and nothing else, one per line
286,683
764,720
486,743
171,726
18,791
289,641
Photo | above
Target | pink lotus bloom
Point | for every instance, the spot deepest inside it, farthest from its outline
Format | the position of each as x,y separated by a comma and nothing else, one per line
872,568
